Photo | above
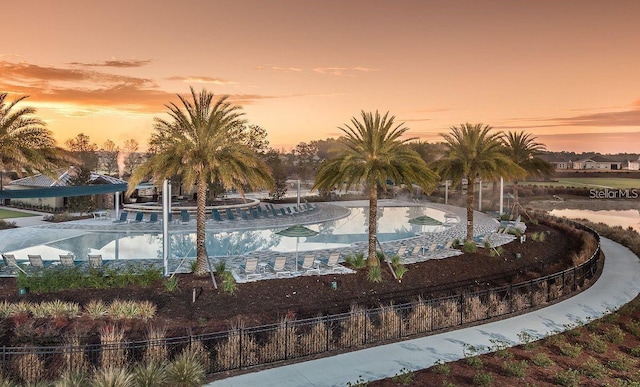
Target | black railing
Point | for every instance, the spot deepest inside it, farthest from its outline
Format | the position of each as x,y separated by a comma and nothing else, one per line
249,347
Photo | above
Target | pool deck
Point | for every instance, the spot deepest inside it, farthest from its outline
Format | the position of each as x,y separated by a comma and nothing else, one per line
30,233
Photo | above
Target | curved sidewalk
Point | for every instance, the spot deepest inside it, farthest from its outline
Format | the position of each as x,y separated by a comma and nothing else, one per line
618,284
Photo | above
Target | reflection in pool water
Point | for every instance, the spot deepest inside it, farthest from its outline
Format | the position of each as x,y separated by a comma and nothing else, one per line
624,218
393,224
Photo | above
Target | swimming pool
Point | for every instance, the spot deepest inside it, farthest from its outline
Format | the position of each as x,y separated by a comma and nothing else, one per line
393,224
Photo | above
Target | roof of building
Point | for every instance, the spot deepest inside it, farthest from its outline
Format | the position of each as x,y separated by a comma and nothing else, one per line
64,178
597,159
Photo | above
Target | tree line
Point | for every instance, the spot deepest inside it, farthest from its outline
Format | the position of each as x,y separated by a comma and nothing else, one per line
205,142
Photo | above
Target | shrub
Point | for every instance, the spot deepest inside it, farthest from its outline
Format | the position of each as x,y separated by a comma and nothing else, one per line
172,284
622,363
113,355
469,247
567,378
229,284
481,378
374,274
70,379
404,377
441,367
156,351
596,344
614,334
400,271
149,374
541,359
112,377
515,368
356,261
593,369
185,370
96,309
571,350
635,351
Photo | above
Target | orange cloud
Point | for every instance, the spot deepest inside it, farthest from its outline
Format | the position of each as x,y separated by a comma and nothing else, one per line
114,63
94,89
277,68
202,79
343,71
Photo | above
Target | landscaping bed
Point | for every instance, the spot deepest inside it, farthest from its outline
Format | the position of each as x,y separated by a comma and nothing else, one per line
268,301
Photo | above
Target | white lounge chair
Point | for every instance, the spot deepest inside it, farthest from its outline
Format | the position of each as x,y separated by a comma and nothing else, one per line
11,262
95,261
250,269
279,266
417,250
309,263
67,260
35,260
332,261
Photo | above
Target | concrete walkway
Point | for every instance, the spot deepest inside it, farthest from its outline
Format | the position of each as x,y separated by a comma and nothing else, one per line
619,284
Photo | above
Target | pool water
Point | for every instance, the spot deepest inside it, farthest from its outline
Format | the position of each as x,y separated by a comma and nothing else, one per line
623,218
393,224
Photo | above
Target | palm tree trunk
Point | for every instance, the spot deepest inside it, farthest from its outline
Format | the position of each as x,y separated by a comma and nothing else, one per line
516,211
201,222
470,197
372,257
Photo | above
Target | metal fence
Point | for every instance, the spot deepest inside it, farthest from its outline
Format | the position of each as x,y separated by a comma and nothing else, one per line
245,347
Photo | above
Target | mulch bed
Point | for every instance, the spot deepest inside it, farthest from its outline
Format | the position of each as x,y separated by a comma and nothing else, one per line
265,302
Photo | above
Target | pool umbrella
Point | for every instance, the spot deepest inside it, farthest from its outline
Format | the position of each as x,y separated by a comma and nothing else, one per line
424,220
297,231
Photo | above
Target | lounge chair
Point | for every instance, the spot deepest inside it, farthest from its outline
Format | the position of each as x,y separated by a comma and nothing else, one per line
184,216
279,266
139,217
230,215
95,261
433,247
153,218
255,214
250,269
417,250
288,209
35,260
283,212
11,262
332,261
123,218
309,264
215,215
402,250
243,214
67,260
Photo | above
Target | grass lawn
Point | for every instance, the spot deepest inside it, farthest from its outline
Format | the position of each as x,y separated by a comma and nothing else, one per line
4,214
595,182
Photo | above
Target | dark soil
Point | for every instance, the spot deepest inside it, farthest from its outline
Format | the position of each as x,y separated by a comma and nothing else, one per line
265,302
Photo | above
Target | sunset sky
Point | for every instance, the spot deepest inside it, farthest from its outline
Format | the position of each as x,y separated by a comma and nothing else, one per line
566,71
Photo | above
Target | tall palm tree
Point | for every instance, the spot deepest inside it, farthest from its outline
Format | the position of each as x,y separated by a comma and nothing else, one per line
27,145
473,152
200,142
523,150
370,152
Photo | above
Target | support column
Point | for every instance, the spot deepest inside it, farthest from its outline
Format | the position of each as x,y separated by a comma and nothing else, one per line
166,205
501,195
480,195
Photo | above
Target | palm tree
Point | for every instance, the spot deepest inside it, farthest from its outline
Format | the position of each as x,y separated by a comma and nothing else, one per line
523,150
472,152
370,152
27,145
200,142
